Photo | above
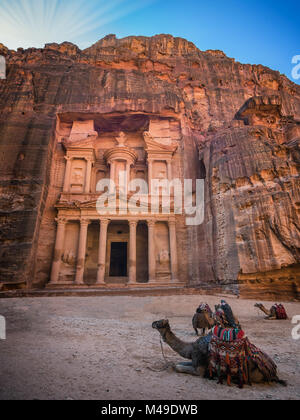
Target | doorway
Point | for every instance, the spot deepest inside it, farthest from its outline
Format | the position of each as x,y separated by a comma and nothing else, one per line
118,259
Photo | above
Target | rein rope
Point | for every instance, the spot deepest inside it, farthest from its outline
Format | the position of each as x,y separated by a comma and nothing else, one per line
168,364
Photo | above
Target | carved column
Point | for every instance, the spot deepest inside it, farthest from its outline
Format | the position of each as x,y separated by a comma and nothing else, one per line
59,244
150,174
67,174
170,175
84,223
173,250
128,169
132,252
102,251
151,251
112,173
89,165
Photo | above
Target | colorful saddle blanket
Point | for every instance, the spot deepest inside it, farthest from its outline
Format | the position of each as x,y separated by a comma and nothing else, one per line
229,355
228,334
280,311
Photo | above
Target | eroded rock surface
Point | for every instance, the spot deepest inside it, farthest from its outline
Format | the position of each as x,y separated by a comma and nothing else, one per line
240,128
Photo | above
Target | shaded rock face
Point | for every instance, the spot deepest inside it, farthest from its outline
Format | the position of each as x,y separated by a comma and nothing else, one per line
240,127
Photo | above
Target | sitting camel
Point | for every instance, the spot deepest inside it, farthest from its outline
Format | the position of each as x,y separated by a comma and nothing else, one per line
225,317
203,318
199,353
275,312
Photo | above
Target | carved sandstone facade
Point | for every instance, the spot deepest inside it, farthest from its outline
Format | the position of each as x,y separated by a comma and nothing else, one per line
120,247
62,115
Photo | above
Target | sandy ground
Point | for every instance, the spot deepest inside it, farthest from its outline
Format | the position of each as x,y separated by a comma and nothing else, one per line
104,348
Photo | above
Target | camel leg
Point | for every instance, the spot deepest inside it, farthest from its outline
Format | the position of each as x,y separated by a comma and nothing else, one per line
197,334
203,331
257,377
188,368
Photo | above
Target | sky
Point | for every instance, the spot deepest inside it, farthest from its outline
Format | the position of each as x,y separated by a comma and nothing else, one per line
251,31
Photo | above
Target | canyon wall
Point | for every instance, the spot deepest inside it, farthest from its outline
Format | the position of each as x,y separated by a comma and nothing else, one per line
240,127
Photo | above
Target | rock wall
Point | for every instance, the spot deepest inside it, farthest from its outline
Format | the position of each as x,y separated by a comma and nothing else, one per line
240,131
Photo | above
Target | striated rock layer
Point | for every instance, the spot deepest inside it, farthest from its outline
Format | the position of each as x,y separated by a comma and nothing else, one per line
240,127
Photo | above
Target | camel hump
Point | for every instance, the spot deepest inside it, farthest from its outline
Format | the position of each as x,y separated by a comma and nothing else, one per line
201,320
280,311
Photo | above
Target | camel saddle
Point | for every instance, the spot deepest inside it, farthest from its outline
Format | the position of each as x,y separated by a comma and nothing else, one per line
229,355
280,311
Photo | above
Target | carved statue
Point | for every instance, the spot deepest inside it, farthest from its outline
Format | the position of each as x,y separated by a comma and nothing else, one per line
69,258
164,256
122,139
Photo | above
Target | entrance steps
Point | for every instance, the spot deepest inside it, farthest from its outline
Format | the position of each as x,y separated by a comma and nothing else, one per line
109,290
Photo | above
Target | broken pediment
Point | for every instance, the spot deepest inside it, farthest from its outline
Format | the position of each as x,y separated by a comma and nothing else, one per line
82,130
159,144
78,144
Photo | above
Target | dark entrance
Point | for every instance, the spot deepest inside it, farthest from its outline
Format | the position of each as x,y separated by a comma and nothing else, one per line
118,259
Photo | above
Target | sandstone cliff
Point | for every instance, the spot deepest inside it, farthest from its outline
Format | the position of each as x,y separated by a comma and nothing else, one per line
240,131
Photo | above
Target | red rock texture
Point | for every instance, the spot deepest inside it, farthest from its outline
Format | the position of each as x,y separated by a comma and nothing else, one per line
240,128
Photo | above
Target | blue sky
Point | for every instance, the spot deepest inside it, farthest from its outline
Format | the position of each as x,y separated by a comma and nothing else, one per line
257,32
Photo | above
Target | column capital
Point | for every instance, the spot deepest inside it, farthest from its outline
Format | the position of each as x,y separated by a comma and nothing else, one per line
61,220
85,222
172,222
151,223
104,222
133,223
68,158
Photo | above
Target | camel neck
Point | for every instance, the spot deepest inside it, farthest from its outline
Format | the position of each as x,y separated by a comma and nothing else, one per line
265,310
179,346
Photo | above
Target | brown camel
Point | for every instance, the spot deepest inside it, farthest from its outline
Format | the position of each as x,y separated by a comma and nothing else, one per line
272,313
198,353
202,320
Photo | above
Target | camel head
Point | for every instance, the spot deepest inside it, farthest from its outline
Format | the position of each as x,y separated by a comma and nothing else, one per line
258,305
162,325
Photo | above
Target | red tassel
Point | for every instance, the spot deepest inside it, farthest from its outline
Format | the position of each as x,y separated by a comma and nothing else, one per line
228,380
227,359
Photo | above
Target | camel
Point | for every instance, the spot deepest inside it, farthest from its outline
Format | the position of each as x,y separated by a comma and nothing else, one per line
198,353
225,317
202,320
272,313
